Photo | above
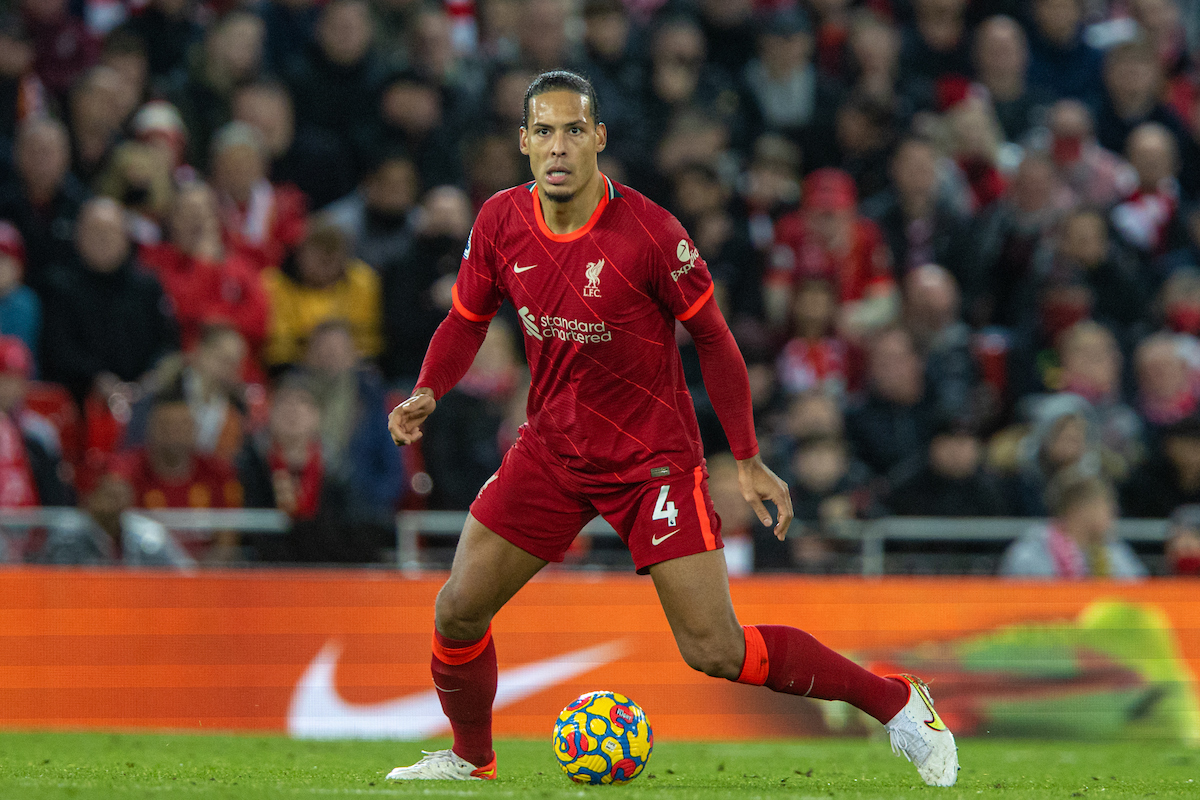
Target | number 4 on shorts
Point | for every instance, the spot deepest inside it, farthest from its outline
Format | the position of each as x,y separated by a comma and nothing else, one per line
665,509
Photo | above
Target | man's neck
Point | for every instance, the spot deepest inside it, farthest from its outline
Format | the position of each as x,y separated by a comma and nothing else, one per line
568,217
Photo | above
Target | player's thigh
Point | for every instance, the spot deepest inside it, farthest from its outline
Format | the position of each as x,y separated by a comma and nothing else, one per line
694,592
487,571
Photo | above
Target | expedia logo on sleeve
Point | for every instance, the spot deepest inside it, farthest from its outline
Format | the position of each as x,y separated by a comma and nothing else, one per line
687,254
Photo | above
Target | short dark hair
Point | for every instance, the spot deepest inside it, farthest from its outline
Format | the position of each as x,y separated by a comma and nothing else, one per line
559,79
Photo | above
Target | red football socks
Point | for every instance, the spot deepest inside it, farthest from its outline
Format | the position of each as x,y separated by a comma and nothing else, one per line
791,661
465,675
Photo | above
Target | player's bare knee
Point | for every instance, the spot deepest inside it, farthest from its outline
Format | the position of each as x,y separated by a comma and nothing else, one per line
456,616
711,655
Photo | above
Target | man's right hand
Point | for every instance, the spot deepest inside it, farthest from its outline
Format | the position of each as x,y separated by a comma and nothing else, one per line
404,423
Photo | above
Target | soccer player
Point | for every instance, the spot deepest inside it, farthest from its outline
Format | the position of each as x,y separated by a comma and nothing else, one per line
599,275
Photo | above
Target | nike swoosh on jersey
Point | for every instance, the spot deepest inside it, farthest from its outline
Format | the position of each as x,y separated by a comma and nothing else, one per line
519,270
660,539
318,711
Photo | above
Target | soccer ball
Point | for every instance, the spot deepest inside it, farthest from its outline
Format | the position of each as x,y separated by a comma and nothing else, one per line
602,737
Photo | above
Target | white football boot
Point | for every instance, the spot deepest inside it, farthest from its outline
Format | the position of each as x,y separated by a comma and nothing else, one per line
444,765
918,733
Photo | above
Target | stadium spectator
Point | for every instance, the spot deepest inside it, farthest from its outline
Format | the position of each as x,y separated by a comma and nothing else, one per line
354,439
1147,218
1079,542
932,314
126,55
283,467
139,176
892,424
950,481
262,222
231,54
1060,61
204,281
22,93
336,81
319,282
769,187
1133,84
20,308
936,49
1170,478
1182,548
63,46
434,53
680,77
975,144
612,48
1168,387
95,117
30,451
1098,177
1091,367
919,223
1005,239
828,239
312,159
416,292
1001,58
828,486
729,29
378,216
106,319
411,119
208,377
1178,302
1062,436
864,128
782,80
483,413
169,472
874,47
815,357
167,29
1082,254
159,125
43,197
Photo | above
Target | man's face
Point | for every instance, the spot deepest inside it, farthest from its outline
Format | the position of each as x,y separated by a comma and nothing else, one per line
269,112
1057,19
101,238
562,141
393,187
43,156
220,360
955,456
1132,82
171,435
914,171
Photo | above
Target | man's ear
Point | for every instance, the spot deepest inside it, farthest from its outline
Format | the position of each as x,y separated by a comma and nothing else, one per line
601,137
523,140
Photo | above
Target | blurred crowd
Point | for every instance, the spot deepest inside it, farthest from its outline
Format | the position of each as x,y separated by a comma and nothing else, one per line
958,242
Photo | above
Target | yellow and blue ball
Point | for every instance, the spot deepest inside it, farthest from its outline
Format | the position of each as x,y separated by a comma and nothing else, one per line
602,737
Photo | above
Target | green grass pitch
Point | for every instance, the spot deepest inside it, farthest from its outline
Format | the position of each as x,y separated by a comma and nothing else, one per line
97,766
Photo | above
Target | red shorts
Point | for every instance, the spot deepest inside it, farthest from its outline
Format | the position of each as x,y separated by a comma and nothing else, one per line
540,505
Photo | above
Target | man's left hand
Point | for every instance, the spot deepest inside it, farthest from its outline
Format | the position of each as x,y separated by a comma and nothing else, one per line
758,484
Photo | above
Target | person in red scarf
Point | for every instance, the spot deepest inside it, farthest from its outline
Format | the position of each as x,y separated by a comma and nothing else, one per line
827,238
1079,542
283,467
1147,219
262,221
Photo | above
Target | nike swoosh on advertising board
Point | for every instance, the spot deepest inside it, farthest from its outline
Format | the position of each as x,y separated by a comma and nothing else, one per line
317,710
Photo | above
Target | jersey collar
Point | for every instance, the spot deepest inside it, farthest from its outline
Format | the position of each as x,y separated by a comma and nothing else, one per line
610,193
